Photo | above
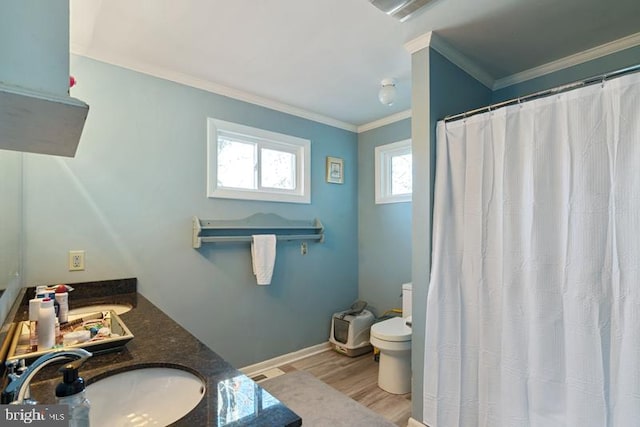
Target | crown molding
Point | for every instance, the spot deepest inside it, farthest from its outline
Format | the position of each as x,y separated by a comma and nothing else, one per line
419,43
461,61
438,44
426,40
406,114
569,61
218,89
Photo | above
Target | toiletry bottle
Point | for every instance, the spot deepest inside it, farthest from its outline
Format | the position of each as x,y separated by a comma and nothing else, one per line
34,310
63,310
71,392
46,325
56,306
58,334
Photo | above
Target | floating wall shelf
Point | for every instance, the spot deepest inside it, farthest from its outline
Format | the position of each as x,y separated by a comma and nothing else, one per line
241,230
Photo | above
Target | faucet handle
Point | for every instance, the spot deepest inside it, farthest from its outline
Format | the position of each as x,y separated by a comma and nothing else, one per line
12,366
15,368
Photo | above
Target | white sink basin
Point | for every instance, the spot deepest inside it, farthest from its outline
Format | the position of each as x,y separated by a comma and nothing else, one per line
155,396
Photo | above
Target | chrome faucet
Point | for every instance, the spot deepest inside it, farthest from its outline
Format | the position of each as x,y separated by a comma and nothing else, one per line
18,387
15,368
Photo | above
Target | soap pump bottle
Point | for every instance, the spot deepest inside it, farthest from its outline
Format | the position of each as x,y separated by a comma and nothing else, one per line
71,392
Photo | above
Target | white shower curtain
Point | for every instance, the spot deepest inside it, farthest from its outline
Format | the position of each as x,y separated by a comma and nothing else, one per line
533,310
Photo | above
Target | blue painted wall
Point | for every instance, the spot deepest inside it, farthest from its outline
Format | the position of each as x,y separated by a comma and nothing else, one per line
452,91
128,197
384,231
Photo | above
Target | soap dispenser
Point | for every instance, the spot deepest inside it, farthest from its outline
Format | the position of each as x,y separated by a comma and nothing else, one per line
71,392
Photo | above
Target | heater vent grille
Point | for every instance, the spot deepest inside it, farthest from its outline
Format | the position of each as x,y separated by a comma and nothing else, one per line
400,9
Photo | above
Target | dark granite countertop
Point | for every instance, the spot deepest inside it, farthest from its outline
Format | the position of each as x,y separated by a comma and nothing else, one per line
160,341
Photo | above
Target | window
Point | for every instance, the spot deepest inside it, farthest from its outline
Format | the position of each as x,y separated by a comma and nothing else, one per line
393,172
255,164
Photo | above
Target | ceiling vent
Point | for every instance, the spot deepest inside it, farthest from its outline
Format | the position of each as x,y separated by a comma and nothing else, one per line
400,9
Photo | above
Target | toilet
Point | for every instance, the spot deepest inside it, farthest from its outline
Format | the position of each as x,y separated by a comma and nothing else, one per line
393,338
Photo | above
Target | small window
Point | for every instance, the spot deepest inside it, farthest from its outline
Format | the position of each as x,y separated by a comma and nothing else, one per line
393,172
255,164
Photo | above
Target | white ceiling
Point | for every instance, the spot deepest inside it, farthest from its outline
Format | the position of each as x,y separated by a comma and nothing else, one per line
324,59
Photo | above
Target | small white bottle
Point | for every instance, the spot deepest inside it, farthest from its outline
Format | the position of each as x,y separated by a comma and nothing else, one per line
63,302
34,312
57,335
46,325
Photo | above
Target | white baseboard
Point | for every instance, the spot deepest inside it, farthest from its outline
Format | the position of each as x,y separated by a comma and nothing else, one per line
413,423
285,358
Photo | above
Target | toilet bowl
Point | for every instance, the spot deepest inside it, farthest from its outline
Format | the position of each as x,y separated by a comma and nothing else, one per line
393,338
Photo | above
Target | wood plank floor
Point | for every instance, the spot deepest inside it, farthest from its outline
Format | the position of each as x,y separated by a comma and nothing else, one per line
357,377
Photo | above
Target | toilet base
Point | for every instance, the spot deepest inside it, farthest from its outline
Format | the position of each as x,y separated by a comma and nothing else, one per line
394,372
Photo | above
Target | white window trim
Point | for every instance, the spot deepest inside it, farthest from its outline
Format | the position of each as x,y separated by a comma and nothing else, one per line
383,155
301,147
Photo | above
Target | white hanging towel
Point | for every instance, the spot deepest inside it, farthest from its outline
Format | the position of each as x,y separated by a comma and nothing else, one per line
263,255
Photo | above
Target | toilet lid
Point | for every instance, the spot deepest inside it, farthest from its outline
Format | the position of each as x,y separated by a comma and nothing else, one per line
393,329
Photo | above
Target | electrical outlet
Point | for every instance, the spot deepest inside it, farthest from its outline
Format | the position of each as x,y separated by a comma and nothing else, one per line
303,248
76,260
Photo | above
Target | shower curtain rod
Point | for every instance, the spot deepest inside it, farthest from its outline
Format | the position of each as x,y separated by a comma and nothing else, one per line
546,92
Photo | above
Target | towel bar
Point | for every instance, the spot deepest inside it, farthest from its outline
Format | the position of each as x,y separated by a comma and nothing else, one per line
231,231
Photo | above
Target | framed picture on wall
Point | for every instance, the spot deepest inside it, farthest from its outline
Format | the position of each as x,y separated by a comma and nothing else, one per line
335,170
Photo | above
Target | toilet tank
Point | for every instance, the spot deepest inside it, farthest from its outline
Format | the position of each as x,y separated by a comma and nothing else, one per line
407,290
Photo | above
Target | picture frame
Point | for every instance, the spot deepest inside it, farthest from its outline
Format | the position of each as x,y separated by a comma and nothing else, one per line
335,170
